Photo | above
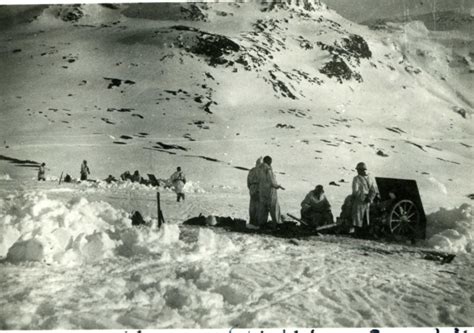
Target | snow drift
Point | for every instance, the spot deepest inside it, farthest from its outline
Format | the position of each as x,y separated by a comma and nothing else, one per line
452,230
36,228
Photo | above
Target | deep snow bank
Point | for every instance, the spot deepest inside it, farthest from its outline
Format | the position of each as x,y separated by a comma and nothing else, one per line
34,227
451,230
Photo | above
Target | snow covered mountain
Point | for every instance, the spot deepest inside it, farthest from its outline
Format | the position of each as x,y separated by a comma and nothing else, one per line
215,85
211,87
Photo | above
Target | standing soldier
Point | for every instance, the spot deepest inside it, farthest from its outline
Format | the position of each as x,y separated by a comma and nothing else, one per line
363,193
178,179
84,170
252,184
267,188
41,172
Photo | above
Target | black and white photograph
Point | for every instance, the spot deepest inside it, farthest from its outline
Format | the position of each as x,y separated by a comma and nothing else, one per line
237,164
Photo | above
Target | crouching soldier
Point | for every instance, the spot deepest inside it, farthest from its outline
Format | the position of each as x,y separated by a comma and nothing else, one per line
316,209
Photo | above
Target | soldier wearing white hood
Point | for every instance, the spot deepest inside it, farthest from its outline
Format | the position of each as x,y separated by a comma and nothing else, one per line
178,179
252,185
364,191
267,188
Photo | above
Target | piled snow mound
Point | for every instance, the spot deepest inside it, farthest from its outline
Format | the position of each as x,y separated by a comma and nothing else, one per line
189,187
120,185
452,230
35,228
5,176
144,240
193,187
210,242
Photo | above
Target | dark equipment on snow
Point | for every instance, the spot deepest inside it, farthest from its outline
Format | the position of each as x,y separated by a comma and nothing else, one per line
152,180
110,179
137,218
397,212
161,219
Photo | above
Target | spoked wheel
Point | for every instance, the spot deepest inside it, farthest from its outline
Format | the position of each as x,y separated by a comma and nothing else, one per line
404,218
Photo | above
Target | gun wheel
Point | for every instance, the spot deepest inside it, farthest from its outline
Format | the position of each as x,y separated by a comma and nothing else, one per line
404,218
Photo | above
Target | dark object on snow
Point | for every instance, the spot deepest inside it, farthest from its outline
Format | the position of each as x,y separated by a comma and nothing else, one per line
136,178
110,5
110,179
443,258
161,219
287,229
152,180
397,213
126,176
137,218
85,171
406,215
67,179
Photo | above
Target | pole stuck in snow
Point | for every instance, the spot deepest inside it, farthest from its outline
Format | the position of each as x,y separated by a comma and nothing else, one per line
61,177
161,219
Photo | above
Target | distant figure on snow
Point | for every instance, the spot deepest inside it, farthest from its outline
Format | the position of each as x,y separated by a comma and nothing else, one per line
316,208
252,185
267,191
364,191
68,179
126,176
178,179
110,179
41,172
84,170
136,177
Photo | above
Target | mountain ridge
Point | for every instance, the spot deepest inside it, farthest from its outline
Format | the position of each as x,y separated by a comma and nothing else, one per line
229,83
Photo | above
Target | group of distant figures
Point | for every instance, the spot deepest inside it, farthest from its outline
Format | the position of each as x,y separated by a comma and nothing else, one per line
263,186
84,172
177,180
315,208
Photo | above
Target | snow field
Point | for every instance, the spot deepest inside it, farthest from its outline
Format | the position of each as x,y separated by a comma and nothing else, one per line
104,273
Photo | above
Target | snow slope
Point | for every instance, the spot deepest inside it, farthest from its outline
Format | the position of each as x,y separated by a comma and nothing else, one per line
211,87
241,99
